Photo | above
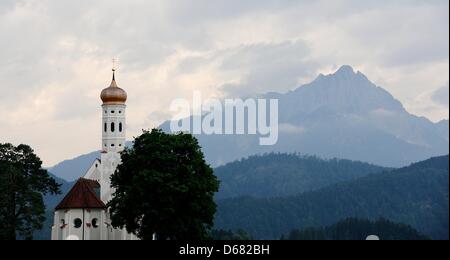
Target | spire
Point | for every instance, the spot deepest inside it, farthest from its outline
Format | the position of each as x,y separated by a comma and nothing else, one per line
113,82
113,94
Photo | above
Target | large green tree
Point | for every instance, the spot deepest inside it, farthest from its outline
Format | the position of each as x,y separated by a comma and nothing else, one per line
164,187
23,182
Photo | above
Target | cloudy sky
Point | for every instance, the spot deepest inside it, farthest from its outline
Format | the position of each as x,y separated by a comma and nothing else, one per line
55,57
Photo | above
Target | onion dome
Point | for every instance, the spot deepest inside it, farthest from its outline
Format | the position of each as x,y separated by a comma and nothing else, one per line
113,94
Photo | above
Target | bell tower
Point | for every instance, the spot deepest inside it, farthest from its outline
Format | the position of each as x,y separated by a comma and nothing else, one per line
113,133
114,117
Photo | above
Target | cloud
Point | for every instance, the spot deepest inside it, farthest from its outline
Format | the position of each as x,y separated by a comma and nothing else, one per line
254,74
291,129
441,96
56,56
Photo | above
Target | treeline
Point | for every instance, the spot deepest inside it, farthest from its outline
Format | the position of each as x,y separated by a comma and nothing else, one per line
358,229
417,195
279,175
230,235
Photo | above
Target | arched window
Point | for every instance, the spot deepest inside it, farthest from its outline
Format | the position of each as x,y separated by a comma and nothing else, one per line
113,127
120,127
77,223
95,223
105,127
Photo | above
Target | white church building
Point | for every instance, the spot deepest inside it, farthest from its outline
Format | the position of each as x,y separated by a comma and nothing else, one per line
82,214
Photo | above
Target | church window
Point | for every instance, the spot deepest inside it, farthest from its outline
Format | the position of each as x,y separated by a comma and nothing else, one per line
120,127
112,145
77,223
95,223
120,111
113,127
112,111
105,127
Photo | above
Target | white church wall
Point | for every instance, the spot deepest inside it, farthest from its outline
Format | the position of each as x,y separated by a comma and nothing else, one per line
73,228
92,224
109,164
94,173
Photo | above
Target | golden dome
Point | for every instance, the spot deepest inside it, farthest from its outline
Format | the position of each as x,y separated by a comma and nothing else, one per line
113,94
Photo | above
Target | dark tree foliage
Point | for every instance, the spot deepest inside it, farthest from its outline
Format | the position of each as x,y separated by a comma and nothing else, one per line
23,183
239,235
358,229
417,195
279,175
164,187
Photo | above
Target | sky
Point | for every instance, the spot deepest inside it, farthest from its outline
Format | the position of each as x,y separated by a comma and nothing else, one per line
56,57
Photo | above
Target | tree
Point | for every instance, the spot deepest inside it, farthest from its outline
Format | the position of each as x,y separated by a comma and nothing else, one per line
23,183
358,229
165,188
239,235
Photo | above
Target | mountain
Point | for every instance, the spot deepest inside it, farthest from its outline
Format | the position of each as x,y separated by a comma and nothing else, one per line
51,201
417,195
71,170
358,229
443,128
279,175
342,115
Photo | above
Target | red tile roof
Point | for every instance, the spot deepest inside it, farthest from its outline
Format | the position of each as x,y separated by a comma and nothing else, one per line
83,195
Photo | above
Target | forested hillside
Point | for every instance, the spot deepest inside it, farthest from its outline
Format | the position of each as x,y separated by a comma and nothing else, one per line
279,175
358,229
416,195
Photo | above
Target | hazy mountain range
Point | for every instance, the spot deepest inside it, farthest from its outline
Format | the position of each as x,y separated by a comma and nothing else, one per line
342,115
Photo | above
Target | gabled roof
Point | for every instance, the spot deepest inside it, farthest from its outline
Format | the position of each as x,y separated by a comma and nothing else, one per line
83,195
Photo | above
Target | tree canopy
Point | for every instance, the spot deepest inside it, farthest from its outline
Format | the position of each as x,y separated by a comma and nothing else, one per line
165,188
416,195
23,182
358,229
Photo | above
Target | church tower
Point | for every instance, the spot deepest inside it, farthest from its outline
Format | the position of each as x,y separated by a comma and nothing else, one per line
83,213
113,133
113,119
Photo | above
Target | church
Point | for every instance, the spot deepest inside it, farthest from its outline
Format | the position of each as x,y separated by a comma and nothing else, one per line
83,214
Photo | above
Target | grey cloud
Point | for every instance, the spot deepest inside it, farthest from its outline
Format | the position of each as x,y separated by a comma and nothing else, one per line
268,67
43,41
441,96
198,11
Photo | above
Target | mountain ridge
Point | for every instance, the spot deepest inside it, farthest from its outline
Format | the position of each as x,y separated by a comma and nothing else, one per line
416,195
280,175
340,115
